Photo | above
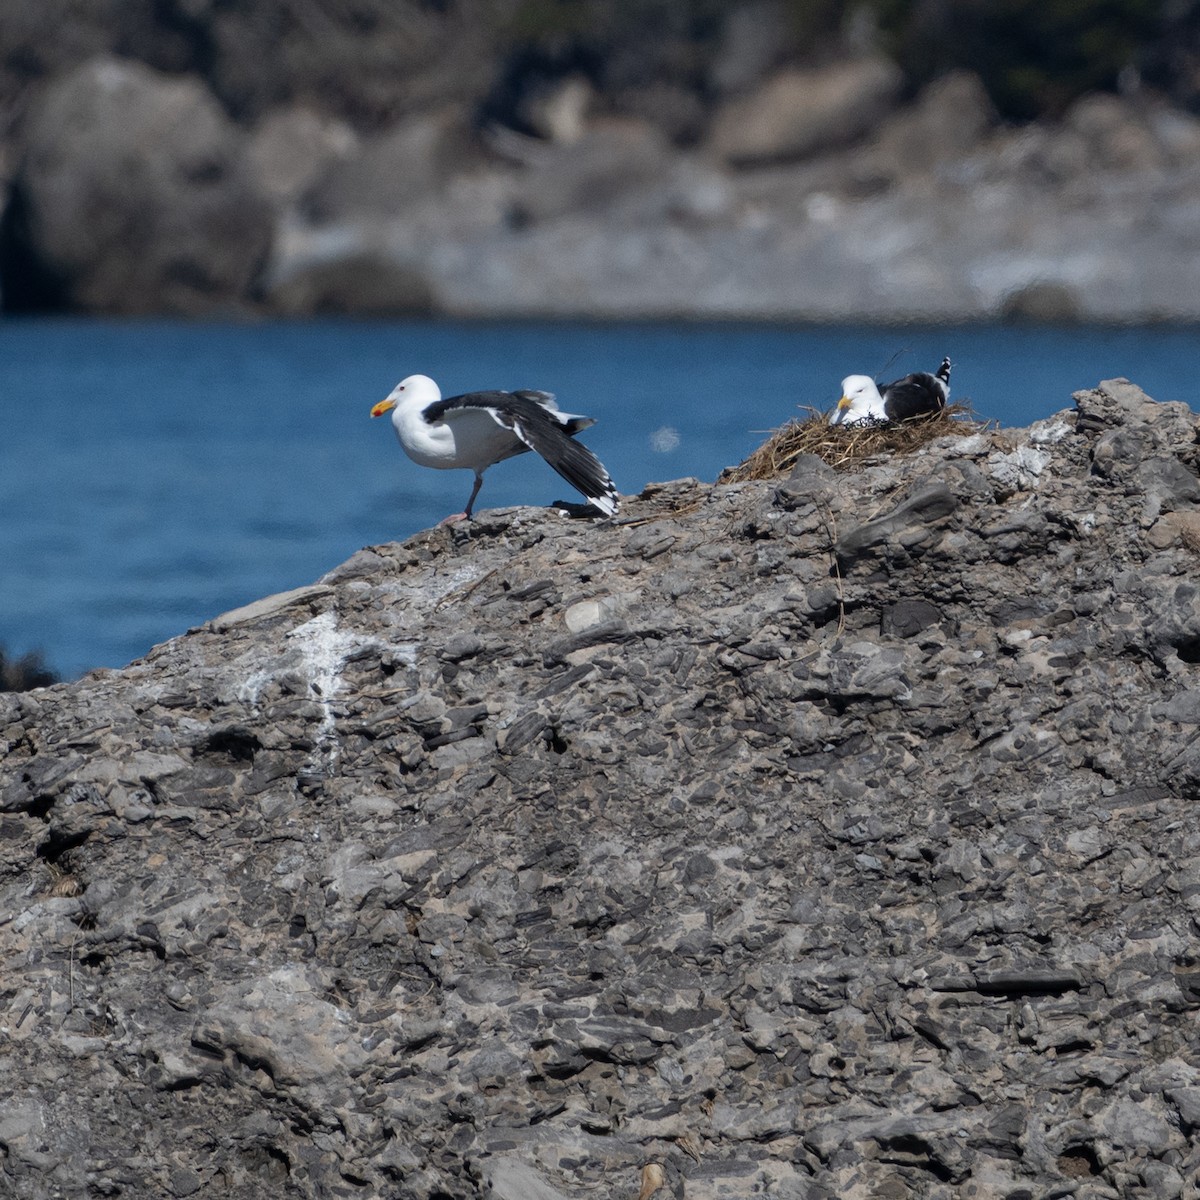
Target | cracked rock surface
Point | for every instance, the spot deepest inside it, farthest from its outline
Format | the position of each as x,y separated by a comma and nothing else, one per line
829,837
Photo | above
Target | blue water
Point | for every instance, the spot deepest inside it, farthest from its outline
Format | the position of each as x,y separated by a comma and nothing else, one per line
153,475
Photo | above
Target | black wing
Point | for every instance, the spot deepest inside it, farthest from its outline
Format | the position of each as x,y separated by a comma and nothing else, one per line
914,396
489,400
545,430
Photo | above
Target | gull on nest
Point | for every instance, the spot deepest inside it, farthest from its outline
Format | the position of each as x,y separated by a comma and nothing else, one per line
864,401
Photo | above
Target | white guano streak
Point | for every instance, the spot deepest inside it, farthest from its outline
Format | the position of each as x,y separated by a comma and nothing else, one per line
324,649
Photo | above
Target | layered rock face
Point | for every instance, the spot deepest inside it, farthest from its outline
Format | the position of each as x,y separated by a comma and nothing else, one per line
830,837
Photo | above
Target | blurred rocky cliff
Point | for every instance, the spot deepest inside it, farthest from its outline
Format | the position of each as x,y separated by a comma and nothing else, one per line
619,158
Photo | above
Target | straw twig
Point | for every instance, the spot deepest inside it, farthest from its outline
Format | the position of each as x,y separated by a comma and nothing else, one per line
844,447
830,523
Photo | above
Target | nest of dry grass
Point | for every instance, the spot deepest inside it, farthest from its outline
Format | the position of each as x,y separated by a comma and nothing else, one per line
846,446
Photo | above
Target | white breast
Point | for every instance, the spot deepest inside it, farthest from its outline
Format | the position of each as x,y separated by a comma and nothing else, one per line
468,438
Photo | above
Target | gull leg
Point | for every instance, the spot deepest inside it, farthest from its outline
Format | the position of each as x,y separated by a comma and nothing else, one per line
465,515
474,493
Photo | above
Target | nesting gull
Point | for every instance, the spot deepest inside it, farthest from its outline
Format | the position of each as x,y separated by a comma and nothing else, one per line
863,401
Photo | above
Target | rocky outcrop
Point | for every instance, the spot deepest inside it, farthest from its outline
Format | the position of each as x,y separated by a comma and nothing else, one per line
937,213
822,837
431,166
131,196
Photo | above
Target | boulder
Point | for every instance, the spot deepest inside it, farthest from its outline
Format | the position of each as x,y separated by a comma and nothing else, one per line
1042,303
613,160
131,197
799,112
947,121
1100,136
406,164
1115,135
831,836
363,282
356,240
292,148
1178,133
83,30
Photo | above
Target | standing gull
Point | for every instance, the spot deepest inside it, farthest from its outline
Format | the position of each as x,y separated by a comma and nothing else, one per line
478,429
913,396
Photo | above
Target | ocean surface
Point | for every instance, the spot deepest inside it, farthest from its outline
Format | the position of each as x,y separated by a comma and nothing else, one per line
156,474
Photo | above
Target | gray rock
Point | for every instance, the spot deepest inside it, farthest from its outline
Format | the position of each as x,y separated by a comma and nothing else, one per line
362,283
518,858
292,148
593,173
798,112
928,504
907,618
132,197
1043,303
509,1179
948,120
1115,134
388,173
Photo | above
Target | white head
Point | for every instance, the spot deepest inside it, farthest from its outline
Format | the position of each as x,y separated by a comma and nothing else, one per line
417,391
860,401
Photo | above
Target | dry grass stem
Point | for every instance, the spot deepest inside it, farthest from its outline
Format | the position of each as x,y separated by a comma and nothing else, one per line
845,447
831,530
